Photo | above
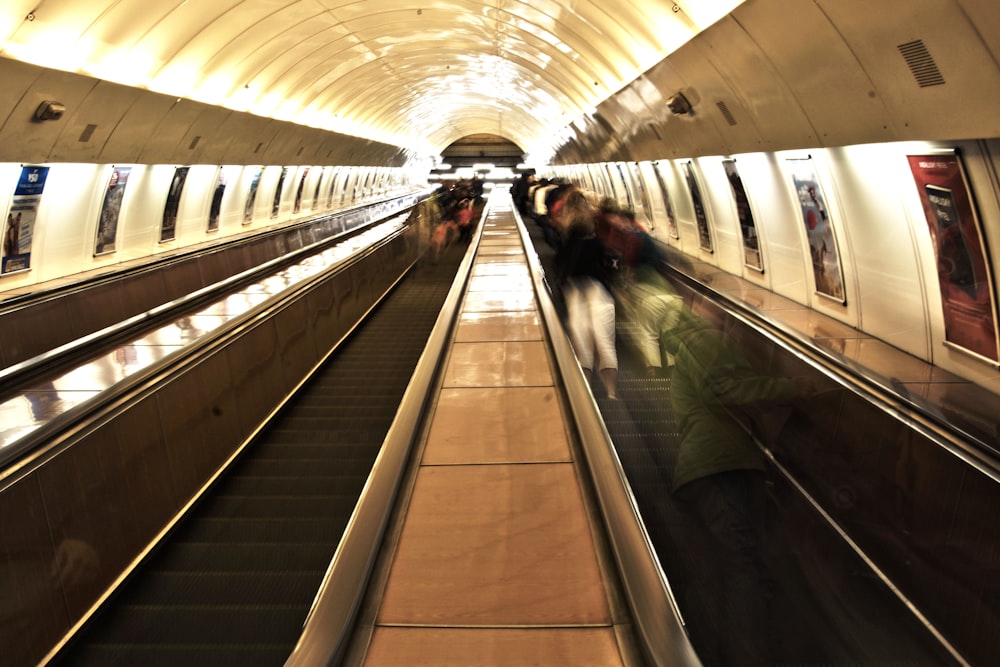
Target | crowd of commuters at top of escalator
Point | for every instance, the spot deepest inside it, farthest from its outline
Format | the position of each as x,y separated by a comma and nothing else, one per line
456,205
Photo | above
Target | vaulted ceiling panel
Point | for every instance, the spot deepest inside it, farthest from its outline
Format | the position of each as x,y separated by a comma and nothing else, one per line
415,75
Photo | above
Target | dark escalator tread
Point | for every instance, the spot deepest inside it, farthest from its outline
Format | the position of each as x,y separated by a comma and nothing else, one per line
233,584
210,655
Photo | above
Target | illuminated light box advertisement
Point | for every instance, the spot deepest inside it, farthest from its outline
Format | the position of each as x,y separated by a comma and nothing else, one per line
111,208
276,204
19,228
168,229
751,242
297,206
215,211
963,273
827,272
251,197
671,219
700,216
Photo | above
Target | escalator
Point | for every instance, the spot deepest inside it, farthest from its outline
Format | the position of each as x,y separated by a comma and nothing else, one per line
234,581
815,600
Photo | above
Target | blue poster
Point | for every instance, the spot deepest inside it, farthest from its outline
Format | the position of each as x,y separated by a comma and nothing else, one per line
819,231
19,229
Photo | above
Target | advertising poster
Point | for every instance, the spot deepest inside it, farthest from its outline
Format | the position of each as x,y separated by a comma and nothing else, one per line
334,175
168,230
319,181
216,209
751,243
298,192
819,230
700,217
963,274
276,204
19,229
111,208
251,197
671,219
647,210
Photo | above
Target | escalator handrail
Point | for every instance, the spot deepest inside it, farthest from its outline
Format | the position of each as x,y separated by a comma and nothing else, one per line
327,631
159,262
921,417
47,440
17,375
658,622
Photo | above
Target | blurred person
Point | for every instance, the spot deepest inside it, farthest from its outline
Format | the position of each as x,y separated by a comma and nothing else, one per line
590,308
719,474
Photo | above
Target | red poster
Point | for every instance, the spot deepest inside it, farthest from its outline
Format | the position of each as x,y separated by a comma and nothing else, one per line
963,274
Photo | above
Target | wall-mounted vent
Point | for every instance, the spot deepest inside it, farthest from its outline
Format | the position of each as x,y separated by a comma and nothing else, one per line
726,113
919,59
194,142
87,133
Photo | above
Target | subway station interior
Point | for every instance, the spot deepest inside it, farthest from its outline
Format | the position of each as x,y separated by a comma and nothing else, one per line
591,333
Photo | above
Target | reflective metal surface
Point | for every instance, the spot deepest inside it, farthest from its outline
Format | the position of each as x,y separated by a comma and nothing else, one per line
26,412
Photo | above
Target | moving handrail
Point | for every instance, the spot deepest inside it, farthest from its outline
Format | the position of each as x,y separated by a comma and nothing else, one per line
919,414
135,287
327,633
658,621
895,566
24,372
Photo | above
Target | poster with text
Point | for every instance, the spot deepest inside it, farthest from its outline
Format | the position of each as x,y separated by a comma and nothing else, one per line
251,197
827,271
215,211
111,208
700,216
748,228
168,230
19,229
963,274
671,220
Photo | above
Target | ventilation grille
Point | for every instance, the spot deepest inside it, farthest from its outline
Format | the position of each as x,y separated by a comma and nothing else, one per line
924,69
726,113
87,133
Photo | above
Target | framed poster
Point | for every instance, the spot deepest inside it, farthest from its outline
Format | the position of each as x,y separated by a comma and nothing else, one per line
168,229
298,193
963,272
19,229
671,219
319,180
827,272
700,216
276,204
251,197
751,243
215,211
111,208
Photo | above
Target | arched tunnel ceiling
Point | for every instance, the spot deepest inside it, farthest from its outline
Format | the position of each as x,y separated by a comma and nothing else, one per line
418,74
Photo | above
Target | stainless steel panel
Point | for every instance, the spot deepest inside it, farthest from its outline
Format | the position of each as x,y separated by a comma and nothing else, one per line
201,425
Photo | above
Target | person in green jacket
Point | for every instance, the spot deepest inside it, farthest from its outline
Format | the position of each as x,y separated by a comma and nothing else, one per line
718,477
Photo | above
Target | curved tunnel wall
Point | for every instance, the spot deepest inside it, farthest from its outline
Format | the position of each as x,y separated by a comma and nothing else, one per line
69,236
